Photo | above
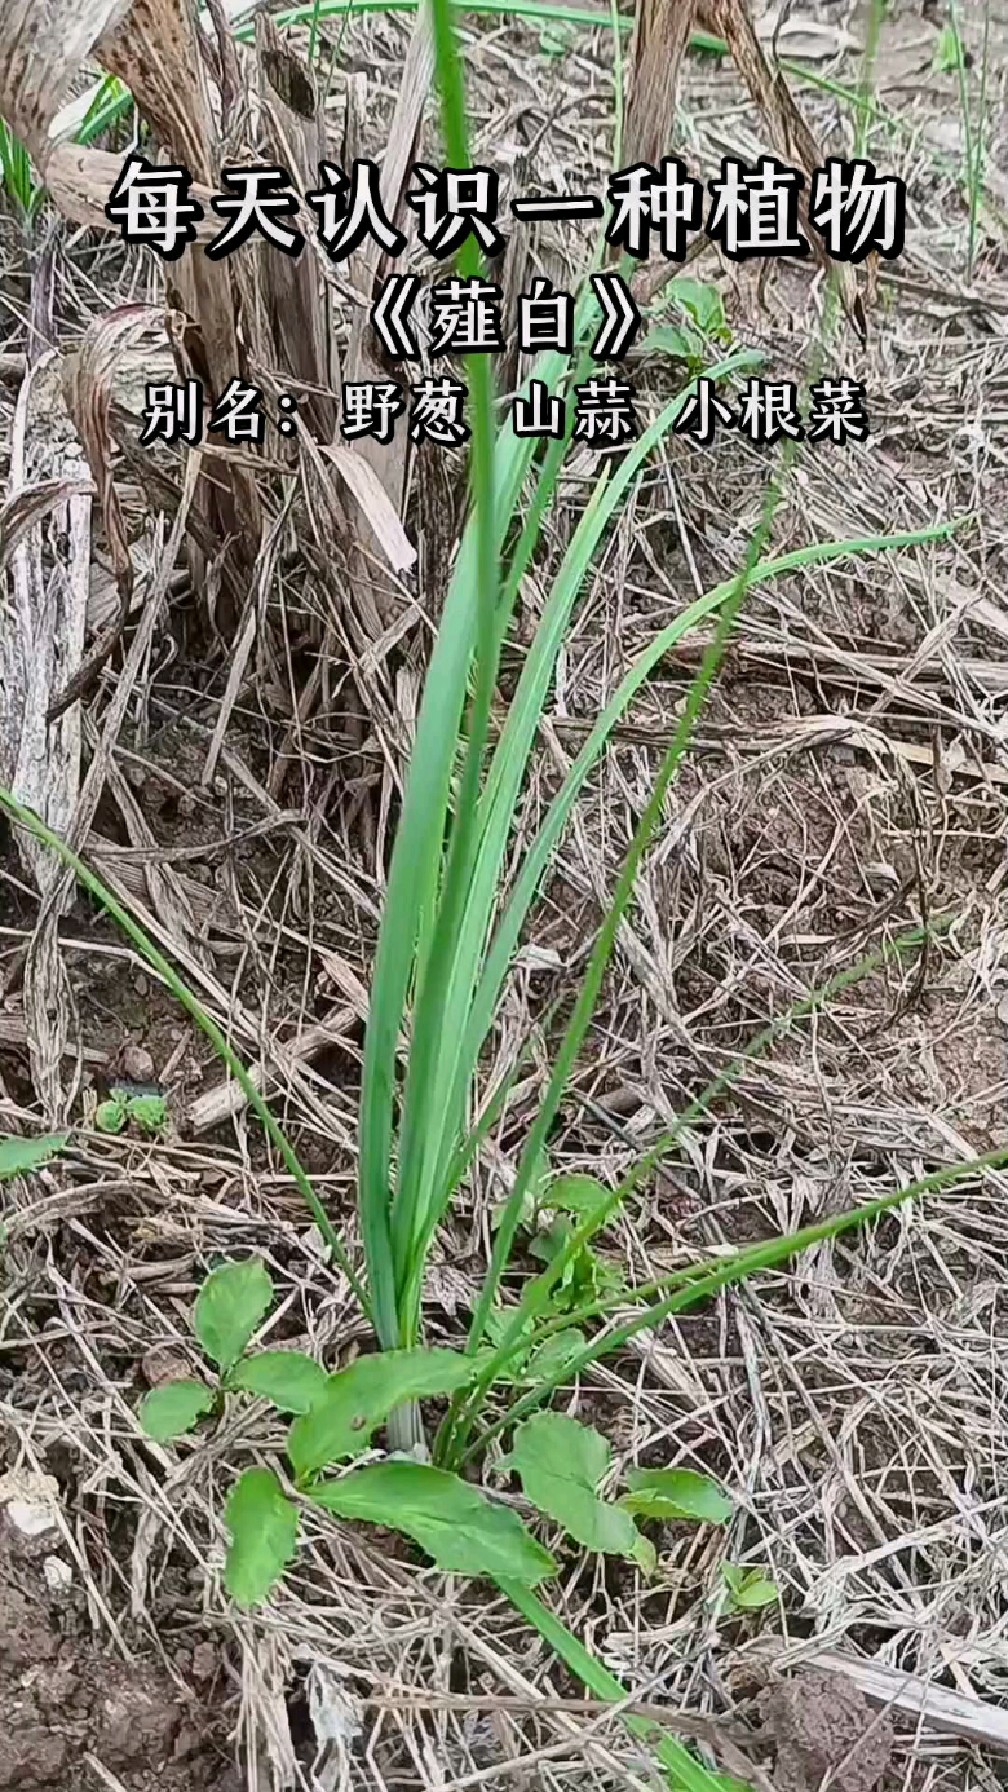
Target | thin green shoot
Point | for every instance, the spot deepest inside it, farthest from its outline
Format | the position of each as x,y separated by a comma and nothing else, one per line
25,818
708,1278
536,1302
18,175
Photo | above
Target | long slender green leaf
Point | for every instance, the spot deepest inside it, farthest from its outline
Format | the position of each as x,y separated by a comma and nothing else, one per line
726,1272
537,1296
28,820
687,1773
462,1039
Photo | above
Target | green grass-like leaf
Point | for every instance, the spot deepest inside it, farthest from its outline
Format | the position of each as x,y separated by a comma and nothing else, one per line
18,1157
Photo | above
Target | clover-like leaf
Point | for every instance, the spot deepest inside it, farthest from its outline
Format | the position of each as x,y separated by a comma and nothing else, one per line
18,1156
750,1589
264,1525
294,1382
231,1303
452,1521
358,1399
174,1408
675,1493
560,1463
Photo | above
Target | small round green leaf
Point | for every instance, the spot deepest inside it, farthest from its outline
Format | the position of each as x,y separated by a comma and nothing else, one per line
263,1524
173,1409
110,1116
149,1112
230,1305
294,1382
451,1520
749,1588
676,1493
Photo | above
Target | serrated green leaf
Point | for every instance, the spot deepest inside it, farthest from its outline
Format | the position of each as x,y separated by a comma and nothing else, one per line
750,1588
110,1116
358,1399
294,1382
19,1156
264,1525
560,1463
149,1112
676,1493
174,1408
453,1522
231,1303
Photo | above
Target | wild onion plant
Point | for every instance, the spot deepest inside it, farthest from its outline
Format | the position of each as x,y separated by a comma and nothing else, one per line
450,929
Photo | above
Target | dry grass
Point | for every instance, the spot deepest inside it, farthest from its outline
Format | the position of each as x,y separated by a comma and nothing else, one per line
850,774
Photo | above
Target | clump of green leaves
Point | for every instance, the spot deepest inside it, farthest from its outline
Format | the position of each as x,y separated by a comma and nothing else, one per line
561,1463
146,1108
553,1209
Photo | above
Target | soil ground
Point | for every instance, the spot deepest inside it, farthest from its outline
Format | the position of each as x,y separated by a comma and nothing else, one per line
849,778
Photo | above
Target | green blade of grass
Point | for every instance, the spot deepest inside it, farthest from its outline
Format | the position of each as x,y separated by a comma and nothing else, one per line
537,1296
709,1277
244,29
25,818
461,1043
482,599
687,1773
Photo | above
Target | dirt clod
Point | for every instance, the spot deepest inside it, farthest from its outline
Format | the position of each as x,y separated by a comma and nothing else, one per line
824,1728
62,1702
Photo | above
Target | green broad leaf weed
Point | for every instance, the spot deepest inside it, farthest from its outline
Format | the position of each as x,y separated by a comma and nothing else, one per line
749,1589
263,1524
560,1463
675,1493
18,1157
174,1409
149,1112
110,1115
358,1399
702,302
293,1381
450,1520
231,1304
